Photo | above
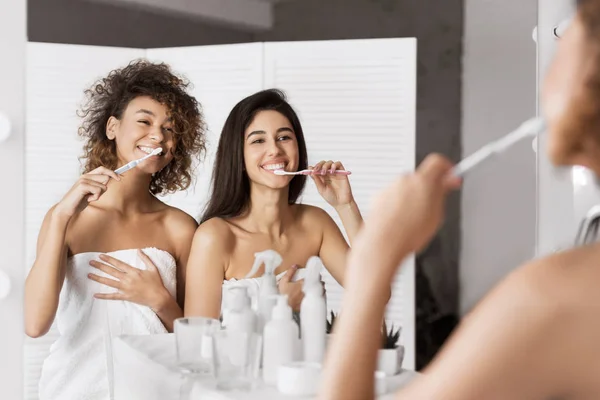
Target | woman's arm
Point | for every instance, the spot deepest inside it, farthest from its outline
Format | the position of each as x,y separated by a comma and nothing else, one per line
513,346
351,360
206,269
45,280
336,191
407,214
351,219
182,228
529,339
334,248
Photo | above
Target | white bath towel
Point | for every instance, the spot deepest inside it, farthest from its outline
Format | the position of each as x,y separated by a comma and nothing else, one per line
79,366
253,286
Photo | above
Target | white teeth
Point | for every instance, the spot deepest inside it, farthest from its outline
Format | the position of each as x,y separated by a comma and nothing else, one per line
146,150
273,167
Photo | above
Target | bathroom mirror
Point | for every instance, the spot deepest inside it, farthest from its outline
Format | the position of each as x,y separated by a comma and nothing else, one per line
353,84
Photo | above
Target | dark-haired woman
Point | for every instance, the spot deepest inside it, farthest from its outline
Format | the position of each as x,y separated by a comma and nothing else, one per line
110,255
251,209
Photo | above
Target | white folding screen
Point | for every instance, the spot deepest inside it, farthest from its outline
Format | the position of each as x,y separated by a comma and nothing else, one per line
221,77
56,78
356,102
355,99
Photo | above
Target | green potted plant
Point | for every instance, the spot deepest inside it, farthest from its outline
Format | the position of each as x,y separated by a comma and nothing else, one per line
329,327
330,322
391,354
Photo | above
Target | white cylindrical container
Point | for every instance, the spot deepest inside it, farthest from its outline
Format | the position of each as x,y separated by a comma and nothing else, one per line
279,340
266,301
313,320
241,317
313,314
299,378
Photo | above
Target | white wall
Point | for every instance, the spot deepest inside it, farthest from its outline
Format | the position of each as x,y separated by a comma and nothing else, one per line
499,92
12,103
557,220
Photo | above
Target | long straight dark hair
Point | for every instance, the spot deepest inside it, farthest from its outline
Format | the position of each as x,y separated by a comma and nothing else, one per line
230,188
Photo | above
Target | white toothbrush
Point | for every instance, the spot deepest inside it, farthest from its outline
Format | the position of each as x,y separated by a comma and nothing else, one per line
134,163
531,127
309,172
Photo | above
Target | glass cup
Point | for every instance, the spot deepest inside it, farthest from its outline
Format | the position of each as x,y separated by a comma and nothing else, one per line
236,359
193,338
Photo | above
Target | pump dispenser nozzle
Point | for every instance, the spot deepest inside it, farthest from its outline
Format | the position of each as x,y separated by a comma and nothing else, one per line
270,258
282,310
268,284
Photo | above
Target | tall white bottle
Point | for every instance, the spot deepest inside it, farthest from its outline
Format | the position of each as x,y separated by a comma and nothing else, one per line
240,316
268,285
241,322
313,313
279,340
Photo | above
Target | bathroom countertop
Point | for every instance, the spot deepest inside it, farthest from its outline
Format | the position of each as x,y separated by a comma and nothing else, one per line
145,368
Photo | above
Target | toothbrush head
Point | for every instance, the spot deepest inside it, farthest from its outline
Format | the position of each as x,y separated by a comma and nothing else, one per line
279,172
156,151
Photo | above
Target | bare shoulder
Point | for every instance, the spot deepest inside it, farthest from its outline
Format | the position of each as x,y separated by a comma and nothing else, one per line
312,214
562,289
215,233
529,319
568,283
81,224
570,277
179,222
180,227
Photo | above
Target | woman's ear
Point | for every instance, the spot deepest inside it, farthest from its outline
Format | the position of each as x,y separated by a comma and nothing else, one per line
111,128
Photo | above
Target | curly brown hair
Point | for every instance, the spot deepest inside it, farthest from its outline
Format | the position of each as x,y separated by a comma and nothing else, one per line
110,96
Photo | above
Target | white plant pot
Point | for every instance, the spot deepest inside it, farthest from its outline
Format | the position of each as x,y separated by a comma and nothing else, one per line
389,361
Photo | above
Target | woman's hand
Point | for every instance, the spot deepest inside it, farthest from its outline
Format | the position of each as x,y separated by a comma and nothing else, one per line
139,286
88,188
292,289
409,211
335,189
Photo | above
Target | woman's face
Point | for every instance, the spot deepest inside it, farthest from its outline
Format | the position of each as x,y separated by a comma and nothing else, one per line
569,106
144,126
270,144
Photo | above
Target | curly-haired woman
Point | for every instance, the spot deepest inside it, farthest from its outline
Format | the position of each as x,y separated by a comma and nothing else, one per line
110,255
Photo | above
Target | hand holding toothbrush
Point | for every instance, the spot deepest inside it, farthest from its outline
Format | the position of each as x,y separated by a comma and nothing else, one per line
332,182
88,188
408,213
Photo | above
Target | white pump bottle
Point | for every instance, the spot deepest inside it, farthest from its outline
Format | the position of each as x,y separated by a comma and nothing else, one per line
279,339
268,285
241,317
313,313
